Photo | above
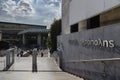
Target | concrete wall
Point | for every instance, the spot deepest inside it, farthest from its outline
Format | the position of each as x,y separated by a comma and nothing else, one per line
89,61
82,25
65,17
84,9
110,17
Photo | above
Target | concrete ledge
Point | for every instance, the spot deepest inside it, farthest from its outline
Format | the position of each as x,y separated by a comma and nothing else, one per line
92,60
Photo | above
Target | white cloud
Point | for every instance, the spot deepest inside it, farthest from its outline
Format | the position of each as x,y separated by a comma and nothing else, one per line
6,10
28,1
33,11
11,3
24,8
46,11
49,9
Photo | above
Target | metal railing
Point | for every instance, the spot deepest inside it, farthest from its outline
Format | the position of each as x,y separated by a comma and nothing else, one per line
2,63
9,58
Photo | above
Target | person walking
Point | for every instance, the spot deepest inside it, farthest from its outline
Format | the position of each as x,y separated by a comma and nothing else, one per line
18,52
21,53
42,52
48,52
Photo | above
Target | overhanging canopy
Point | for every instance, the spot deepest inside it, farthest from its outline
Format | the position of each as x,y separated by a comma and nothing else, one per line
33,31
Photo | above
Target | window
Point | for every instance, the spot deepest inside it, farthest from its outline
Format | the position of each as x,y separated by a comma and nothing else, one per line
74,28
93,22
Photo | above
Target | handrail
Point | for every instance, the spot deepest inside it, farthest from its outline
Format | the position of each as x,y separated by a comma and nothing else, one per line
9,58
3,62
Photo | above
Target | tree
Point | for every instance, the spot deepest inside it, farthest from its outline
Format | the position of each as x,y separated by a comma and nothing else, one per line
55,30
4,45
48,41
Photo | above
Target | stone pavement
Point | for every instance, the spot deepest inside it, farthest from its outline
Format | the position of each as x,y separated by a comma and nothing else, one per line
22,64
47,70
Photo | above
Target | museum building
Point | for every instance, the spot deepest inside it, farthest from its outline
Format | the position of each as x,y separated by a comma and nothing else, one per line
89,46
23,34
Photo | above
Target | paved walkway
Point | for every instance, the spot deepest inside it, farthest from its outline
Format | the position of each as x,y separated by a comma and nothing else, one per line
47,70
2,63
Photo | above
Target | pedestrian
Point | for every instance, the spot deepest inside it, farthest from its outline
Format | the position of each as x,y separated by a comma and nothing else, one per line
48,52
21,53
42,52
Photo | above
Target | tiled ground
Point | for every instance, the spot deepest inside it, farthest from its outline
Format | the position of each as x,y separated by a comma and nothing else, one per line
47,70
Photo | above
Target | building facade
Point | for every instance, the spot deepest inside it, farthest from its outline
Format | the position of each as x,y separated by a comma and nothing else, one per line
80,12
23,34
0,36
89,44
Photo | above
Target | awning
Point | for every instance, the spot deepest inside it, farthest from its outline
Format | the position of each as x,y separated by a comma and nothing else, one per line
33,31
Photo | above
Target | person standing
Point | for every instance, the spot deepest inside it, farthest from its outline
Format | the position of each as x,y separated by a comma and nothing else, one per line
42,52
18,52
48,52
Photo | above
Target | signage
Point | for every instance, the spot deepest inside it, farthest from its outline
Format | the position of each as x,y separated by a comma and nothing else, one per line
96,43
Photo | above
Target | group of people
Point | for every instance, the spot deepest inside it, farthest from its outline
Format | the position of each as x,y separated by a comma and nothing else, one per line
19,52
38,51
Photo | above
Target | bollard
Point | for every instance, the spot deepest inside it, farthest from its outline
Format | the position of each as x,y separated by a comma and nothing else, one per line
7,59
34,60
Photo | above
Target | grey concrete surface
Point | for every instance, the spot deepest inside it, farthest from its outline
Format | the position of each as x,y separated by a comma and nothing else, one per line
37,76
47,70
72,49
22,63
47,64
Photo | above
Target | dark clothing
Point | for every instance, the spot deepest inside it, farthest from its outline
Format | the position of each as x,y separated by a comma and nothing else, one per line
41,54
21,53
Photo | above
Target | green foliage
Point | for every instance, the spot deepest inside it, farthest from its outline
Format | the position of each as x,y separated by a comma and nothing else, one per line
48,42
55,30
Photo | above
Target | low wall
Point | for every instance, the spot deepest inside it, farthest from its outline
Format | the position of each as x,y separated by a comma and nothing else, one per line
93,54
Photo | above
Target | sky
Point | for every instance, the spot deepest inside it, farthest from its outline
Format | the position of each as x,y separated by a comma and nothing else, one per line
39,12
